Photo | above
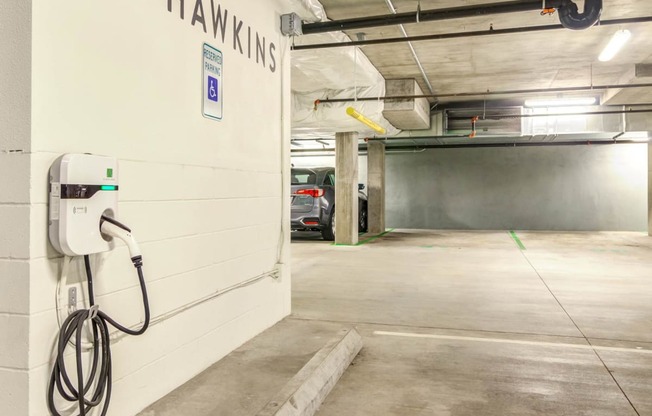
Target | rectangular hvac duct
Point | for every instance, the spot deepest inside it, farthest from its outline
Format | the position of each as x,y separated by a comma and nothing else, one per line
410,114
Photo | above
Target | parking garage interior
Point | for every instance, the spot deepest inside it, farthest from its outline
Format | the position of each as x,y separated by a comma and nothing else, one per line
379,207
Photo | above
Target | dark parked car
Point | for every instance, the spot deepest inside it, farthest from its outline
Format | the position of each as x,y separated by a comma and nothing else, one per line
313,202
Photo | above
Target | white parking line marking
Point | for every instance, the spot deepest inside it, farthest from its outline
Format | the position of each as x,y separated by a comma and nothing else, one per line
637,350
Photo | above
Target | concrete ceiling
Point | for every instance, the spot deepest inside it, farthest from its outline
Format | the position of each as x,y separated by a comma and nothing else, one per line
560,58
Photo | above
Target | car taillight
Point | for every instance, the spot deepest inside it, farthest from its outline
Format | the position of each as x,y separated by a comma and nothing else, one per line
315,193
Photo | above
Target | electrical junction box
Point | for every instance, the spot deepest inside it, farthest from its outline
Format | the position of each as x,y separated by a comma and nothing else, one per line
291,25
83,187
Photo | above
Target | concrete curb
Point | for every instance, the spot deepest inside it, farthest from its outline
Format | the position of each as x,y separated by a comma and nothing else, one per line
305,392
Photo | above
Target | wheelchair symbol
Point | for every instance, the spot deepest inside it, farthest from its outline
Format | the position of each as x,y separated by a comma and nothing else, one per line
213,91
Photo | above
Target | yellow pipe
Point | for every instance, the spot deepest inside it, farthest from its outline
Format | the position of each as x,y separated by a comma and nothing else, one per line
364,120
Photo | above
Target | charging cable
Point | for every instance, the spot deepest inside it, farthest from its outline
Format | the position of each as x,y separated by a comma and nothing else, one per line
100,378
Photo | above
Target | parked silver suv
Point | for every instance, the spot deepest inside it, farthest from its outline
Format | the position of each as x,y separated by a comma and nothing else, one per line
313,202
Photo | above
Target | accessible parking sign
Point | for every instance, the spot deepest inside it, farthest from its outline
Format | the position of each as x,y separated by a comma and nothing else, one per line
213,87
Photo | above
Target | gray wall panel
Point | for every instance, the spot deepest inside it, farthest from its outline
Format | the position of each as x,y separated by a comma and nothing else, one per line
583,188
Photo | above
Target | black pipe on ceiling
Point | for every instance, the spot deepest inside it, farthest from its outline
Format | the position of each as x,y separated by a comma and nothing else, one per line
444,36
422,16
389,149
489,93
571,18
569,15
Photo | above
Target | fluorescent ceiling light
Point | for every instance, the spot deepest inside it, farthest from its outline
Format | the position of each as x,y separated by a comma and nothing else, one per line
562,102
614,46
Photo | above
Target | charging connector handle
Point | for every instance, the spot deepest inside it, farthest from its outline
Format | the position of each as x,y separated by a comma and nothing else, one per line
115,229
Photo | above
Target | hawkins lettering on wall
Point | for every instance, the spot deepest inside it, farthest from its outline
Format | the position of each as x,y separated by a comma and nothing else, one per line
217,21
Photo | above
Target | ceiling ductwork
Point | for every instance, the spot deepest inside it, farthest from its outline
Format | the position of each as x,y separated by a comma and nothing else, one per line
571,18
411,114
319,93
332,74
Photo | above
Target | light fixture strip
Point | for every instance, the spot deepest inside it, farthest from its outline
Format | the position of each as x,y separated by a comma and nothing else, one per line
614,46
567,102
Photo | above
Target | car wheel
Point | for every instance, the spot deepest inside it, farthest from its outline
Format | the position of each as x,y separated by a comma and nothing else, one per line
328,233
362,225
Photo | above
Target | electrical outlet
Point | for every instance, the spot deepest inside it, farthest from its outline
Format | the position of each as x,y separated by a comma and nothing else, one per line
72,298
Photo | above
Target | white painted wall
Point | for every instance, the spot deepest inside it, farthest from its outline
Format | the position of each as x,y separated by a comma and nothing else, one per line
15,53
205,199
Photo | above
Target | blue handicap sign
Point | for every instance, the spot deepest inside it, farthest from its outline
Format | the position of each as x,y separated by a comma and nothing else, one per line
213,92
212,84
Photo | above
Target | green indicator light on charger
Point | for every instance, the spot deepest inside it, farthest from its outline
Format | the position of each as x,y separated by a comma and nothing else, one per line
109,173
109,187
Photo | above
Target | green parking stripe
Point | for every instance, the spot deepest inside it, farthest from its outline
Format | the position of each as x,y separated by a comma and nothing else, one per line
374,237
517,240
367,240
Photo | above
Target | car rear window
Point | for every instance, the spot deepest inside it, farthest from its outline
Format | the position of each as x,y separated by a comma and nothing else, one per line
303,177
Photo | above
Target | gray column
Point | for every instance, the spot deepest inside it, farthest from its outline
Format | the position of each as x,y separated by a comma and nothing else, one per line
346,188
649,189
376,187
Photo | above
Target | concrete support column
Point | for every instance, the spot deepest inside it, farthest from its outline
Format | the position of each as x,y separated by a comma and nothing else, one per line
376,187
346,188
649,189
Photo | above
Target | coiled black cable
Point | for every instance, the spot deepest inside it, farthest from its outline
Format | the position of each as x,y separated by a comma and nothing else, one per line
100,370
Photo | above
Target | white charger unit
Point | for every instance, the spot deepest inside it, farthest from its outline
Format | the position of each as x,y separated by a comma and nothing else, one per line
83,187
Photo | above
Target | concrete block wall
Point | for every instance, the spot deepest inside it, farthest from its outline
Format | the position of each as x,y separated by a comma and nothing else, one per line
206,199
15,79
579,188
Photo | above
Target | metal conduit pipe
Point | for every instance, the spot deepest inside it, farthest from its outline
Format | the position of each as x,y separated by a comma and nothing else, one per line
569,15
490,93
591,113
403,148
422,16
443,36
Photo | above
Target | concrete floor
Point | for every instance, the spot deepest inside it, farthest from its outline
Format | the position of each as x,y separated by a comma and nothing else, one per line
456,323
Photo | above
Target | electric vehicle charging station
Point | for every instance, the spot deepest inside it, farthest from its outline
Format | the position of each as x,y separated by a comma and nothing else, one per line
83,206
83,188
